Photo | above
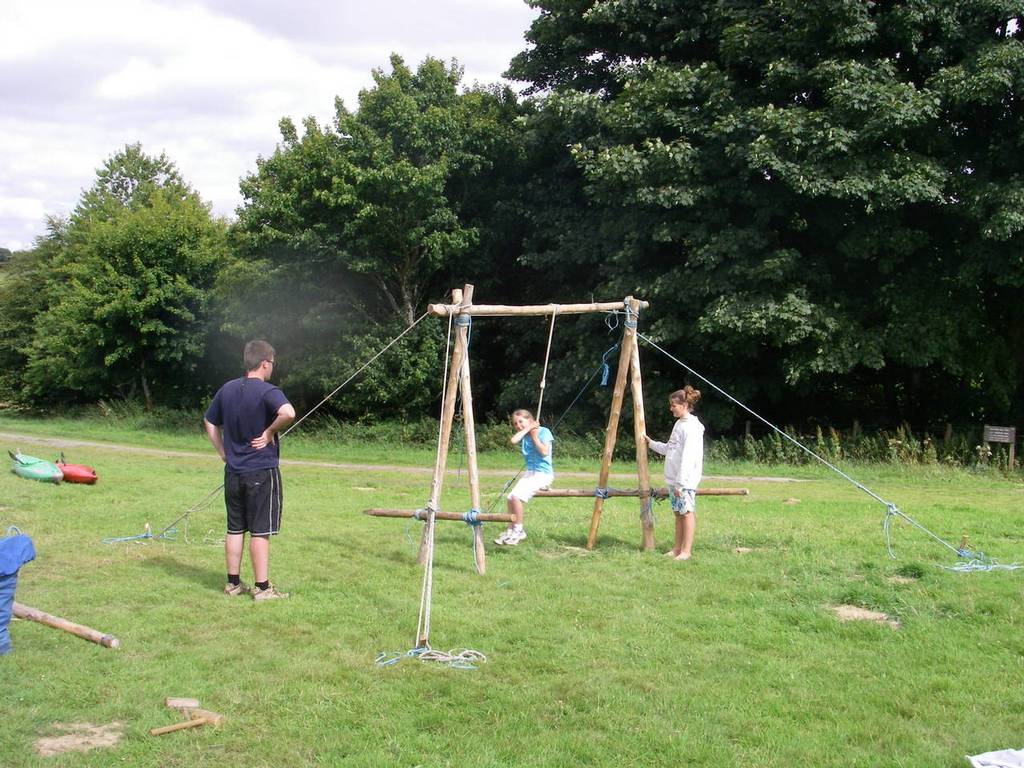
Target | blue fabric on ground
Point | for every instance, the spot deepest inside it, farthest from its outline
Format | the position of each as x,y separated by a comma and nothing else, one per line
15,551
7,584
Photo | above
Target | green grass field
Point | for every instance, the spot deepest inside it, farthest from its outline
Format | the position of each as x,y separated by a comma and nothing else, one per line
606,658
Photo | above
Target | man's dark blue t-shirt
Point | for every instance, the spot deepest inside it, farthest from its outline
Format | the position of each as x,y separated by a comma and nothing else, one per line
243,409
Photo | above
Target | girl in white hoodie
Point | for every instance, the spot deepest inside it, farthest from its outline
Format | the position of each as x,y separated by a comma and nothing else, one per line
684,464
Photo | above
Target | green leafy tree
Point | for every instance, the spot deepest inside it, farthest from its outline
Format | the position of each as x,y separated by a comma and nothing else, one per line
352,227
128,289
128,179
831,189
24,283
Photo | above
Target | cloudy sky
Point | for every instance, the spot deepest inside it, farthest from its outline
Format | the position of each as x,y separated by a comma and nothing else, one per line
206,82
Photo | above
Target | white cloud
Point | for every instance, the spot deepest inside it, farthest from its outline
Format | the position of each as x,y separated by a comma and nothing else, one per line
204,82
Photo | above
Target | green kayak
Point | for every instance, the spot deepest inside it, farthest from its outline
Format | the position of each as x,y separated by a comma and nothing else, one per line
35,469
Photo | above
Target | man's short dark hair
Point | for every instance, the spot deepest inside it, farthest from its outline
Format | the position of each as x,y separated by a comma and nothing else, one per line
256,352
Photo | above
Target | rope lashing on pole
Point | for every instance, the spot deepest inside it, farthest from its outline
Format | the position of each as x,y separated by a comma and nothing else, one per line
168,532
984,563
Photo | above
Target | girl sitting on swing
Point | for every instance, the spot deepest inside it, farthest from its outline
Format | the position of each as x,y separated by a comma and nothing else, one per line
539,472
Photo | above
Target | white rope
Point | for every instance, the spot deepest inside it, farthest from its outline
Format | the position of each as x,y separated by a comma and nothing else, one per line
426,592
207,500
547,356
979,563
361,369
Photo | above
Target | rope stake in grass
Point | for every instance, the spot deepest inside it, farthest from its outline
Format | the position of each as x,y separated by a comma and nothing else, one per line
168,535
891,509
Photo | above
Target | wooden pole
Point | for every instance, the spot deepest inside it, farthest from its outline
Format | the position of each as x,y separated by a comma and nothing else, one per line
444,437
483,517
611,431
658,493
87,633
643,474
503,310
469,430
197,717
194,723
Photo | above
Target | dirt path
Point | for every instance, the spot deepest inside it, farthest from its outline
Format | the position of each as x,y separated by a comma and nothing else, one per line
62,442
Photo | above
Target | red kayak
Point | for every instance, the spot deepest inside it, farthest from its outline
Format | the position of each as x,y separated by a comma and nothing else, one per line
76,473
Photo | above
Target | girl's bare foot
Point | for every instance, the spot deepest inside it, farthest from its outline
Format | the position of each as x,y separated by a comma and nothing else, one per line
683,556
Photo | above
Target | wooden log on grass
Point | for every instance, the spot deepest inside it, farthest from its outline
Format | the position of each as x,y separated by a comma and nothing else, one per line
658,493
86,633
483,517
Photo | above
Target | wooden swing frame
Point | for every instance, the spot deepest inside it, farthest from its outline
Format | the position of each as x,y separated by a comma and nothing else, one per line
458,383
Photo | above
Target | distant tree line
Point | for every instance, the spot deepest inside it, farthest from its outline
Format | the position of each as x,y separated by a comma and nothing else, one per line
823,203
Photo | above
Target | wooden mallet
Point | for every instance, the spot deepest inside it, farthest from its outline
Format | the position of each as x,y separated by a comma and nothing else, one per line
196,717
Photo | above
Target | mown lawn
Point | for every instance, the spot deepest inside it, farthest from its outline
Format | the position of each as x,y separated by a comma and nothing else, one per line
606,658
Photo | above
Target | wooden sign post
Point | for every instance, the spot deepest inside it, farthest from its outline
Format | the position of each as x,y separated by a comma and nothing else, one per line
1007,435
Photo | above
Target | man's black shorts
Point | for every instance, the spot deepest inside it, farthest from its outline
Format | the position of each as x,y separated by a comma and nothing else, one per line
253,500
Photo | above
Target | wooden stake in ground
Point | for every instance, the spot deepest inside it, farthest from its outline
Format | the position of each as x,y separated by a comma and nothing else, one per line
86,633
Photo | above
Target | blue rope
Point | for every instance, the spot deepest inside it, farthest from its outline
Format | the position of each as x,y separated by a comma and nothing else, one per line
601,493
167,535
604,382
471,517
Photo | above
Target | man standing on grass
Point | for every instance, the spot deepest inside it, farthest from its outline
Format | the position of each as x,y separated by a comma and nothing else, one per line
242,422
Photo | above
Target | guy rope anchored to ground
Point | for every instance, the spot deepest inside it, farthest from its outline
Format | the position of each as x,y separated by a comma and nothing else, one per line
973,561
169,531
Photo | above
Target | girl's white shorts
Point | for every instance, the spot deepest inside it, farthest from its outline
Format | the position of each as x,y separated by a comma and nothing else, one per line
685,502
529,484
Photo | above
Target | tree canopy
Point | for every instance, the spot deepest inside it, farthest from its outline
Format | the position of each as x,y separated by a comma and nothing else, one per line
121,291
829,189
358,223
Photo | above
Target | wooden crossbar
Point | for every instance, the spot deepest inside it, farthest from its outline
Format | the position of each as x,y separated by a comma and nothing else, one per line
483,517
659,493
505,310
